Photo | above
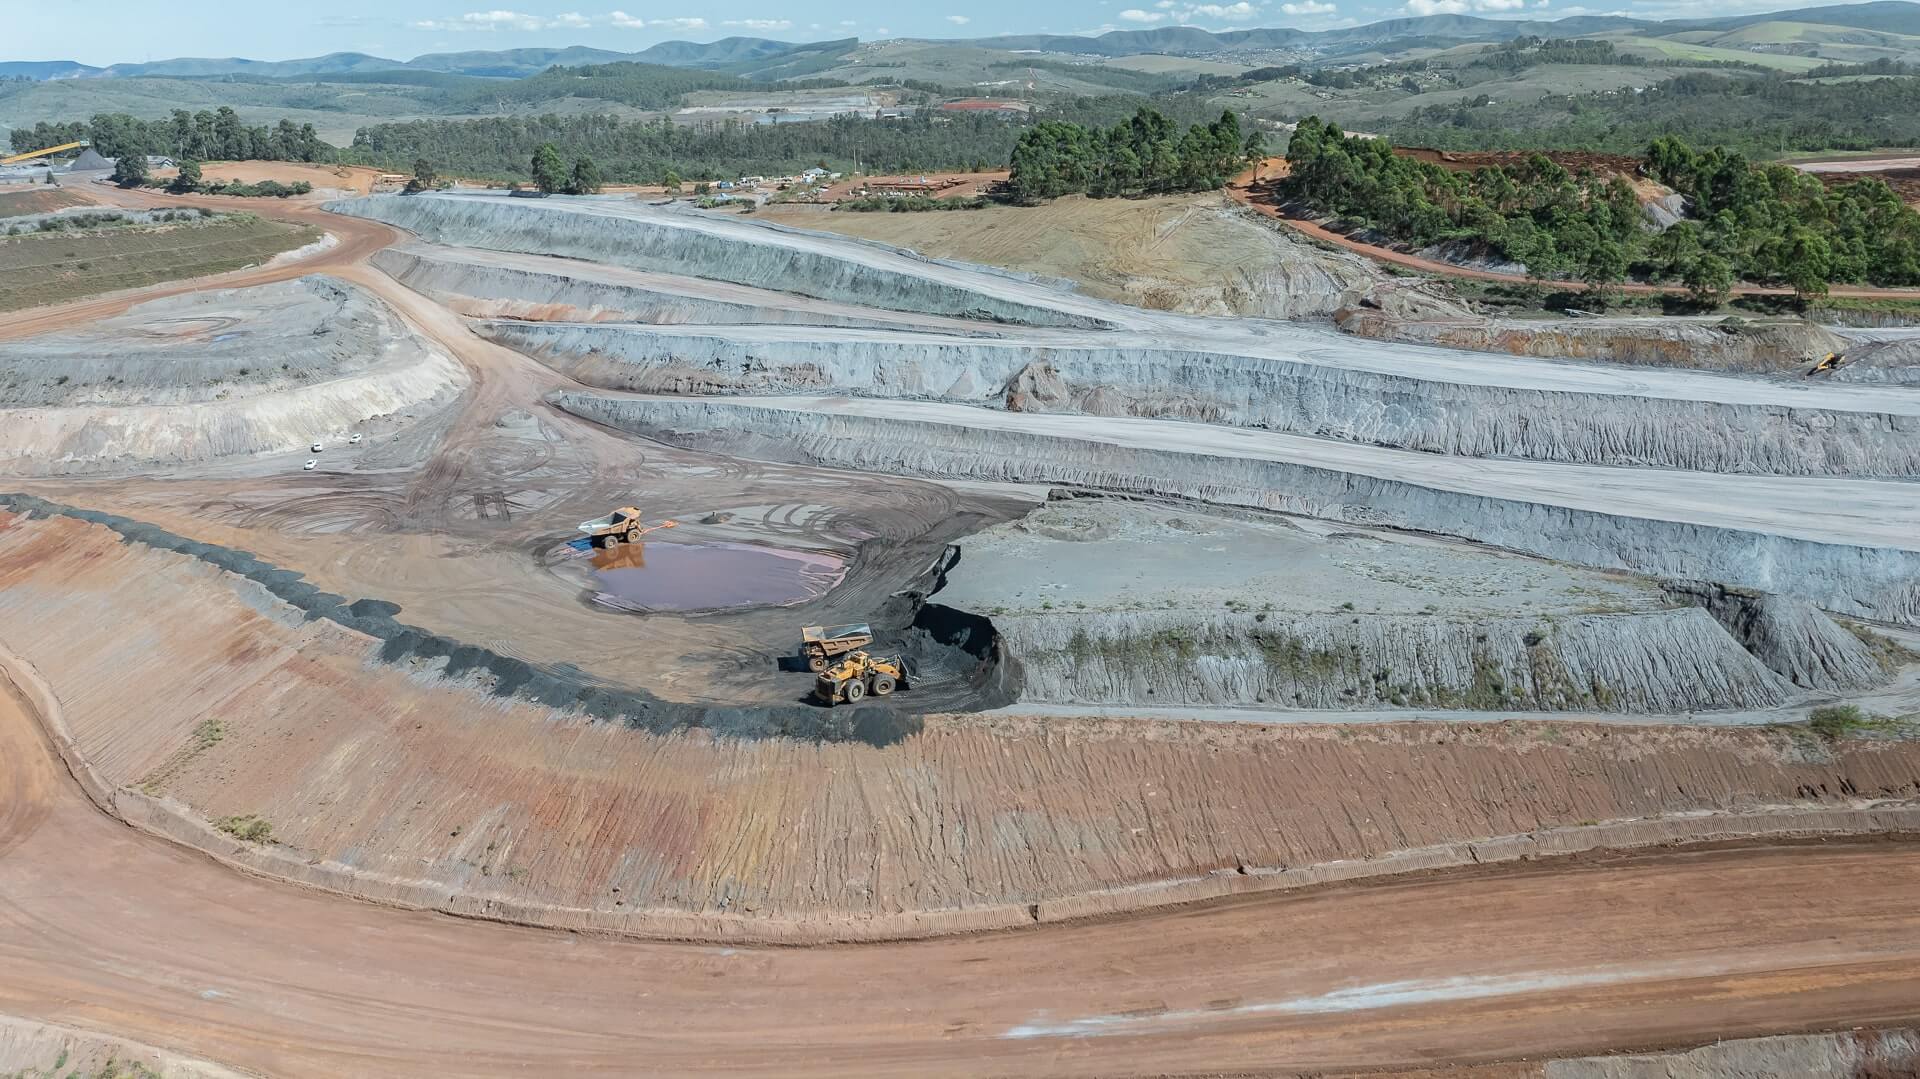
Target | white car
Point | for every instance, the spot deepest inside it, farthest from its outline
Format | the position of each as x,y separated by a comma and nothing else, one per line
316,447
310,466
353,440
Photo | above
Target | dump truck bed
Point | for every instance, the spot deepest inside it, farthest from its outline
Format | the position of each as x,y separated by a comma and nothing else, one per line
814,634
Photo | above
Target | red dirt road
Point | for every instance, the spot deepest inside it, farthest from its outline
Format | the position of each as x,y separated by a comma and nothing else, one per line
104,929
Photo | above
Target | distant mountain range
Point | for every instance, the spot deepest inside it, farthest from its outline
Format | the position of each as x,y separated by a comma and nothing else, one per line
744,54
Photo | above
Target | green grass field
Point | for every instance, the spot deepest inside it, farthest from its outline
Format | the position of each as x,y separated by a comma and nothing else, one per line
54,267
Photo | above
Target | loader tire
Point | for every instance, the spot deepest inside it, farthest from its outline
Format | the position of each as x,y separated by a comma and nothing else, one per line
882,684
855,690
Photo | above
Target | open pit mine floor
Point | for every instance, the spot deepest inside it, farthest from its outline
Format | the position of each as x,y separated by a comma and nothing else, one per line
362,770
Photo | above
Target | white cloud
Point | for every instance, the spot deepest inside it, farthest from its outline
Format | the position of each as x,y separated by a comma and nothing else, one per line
572,20
1165,5
634,22
1315,7
487,20
1239,12
882,31
1134,14
786,24
958,20
1436,7
1498,5
848,22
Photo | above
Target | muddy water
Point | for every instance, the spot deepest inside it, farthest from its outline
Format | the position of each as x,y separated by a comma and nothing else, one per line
662,576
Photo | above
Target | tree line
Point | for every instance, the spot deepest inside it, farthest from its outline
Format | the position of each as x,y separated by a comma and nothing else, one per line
202,136
1766,224
1754,113
1142,155
643,151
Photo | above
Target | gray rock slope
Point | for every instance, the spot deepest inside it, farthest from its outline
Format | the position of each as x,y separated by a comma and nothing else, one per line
649,238
1667,661
1036,373
1867,581
520,286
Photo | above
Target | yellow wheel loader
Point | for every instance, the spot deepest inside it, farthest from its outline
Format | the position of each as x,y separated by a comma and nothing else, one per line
860,675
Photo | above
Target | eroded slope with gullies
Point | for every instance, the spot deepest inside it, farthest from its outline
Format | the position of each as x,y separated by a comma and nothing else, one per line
1138,604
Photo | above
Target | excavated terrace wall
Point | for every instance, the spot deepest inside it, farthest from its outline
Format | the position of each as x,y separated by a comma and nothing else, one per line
478,289
1656,662
40,441
1878,583
667,242
207,346
1281,395
214,374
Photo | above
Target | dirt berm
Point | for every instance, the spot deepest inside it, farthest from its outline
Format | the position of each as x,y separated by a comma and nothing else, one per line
1878,582
1037,373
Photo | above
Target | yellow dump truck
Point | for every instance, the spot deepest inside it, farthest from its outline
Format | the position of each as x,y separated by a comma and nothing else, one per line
621,526
821,643
858,676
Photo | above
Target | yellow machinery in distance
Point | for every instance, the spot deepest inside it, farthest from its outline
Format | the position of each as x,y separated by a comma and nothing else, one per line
30,155
860,675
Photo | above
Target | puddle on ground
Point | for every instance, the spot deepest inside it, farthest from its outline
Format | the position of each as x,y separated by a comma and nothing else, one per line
702,576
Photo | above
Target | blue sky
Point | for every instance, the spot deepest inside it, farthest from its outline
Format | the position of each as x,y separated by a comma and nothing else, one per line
129,31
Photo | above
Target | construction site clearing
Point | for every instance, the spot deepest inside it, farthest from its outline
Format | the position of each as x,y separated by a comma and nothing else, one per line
1308,702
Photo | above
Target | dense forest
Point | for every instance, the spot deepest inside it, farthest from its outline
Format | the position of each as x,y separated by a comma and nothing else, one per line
201,136
1766,224
1877,106
643,151
1143,155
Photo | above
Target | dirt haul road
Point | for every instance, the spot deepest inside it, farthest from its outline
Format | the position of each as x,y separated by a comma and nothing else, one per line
104,929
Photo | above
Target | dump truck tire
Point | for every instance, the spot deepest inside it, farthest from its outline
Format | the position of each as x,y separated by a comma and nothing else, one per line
882,684
855,691
817,662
